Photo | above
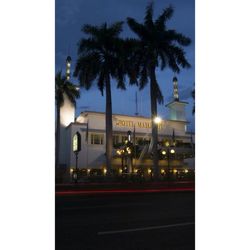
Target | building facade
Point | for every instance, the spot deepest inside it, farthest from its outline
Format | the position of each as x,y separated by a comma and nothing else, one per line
131,141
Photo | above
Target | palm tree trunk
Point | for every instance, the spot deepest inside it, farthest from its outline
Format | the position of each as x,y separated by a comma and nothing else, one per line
154,138
109,127
57,151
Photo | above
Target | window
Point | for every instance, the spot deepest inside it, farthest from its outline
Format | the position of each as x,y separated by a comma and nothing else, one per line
124,138
97,139
116,139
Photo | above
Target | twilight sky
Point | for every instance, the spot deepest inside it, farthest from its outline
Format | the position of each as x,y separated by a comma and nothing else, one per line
71,15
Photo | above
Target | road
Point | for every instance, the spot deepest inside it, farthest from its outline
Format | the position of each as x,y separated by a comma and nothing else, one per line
158,221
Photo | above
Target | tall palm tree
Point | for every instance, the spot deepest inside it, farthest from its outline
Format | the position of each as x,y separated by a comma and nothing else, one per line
193,96
101,58
63,88
161,47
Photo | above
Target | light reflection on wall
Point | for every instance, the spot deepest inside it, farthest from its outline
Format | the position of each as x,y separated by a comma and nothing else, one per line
67,112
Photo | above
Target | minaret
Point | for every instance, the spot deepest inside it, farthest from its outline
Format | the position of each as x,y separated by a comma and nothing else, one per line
176,94
68,109
176,107
67,116
68,64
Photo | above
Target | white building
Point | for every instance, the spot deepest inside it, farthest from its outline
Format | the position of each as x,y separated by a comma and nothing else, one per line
172,134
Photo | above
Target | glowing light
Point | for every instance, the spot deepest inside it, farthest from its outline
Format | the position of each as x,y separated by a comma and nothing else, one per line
157,120
186,171
71,170
67,111
88,192
88,170
68,64
104,170
172,151
162,171
175,171
163,152
75,143
118,152
128,150
120,170
149,171
135,170
167,143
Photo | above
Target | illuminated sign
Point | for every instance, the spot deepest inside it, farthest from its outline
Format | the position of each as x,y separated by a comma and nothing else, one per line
126,123
76,142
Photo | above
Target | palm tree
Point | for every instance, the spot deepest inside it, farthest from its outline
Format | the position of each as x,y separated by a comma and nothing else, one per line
102,56
157,46
63,88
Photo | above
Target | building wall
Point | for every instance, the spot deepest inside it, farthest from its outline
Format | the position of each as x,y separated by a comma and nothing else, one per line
67,114
93,156
123,123
177,111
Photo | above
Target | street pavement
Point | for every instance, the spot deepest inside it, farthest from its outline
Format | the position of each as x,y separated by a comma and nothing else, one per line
150,221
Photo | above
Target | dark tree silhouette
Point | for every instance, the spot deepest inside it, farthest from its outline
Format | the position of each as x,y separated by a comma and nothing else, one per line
63,88
193,95
157,46
103,56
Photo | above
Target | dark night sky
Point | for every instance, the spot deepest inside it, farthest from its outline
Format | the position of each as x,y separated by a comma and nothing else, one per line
72,14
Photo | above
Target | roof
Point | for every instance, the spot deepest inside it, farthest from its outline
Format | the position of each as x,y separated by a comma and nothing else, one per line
96,112
179,102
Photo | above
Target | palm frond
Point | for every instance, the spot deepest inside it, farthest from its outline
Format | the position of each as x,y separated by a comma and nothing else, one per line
163,60
64,87
87,69
138,28
143,78
86,45
100,82
179,56
90,29
166,15
102,56
148,19
115,28
181,39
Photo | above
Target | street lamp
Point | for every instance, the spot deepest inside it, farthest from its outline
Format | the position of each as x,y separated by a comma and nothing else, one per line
157,120
155,125
163,152
167,152
76,149
128,150
129,135
121,153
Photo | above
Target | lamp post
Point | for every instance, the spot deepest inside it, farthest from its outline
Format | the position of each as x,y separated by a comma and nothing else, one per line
157,120
76,149
121,152
170,151
167,152
128,150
